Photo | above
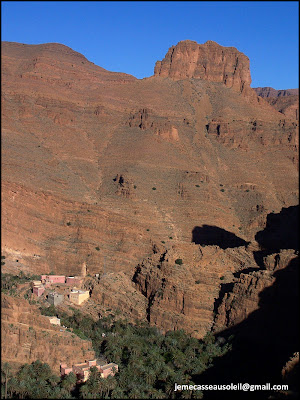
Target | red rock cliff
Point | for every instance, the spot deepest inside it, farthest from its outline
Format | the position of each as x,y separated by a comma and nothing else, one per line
208,61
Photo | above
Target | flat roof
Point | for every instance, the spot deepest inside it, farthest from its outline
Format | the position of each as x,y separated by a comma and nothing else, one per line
110,365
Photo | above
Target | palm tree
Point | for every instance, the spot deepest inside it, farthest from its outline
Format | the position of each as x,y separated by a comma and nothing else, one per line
69,381
5,374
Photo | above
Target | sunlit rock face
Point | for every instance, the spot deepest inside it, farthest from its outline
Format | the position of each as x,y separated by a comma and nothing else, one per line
208,61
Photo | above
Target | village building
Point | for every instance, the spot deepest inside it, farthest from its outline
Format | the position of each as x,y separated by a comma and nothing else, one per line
36,283
55,298
74,280
82,370
79,296
54,320
38,290
53,278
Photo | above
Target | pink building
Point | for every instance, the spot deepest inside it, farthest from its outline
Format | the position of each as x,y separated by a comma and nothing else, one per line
108,369
38,290
53,278
64,370
74,280
82,370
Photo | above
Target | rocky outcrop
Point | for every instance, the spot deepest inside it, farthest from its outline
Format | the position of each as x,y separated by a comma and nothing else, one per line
182,283
27,336
270,92
290,373
208,61
284,101
240,134
116,292
144,119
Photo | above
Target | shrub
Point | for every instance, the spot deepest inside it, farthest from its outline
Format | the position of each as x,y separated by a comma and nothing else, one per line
222,190
147,230
197,185
154,188
178,261
170,237
135,186
222,277
97,248
197,282
247,190
68,223
163,241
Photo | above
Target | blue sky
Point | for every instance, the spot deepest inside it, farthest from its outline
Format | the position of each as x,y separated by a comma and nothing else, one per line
131,36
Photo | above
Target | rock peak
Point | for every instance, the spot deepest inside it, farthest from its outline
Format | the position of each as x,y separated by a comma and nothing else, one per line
209,61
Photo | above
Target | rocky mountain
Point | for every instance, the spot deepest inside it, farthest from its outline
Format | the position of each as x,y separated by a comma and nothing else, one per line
270,92
160,185
209,61
284,101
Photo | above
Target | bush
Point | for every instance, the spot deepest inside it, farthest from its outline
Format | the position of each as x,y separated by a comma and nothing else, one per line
197,282
197,185
222,278
154,188
222,190
97,248
178,261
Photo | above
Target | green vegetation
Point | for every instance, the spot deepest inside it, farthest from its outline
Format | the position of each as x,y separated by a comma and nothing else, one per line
149,362
179,261
197,185
222,277
170,237
247,190
147,230
154,188
222,190
163,241
134,186
97,248
197,282
10,282
68,223
35,381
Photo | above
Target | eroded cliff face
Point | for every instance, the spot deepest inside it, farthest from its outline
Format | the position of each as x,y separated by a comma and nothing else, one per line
208,61
27,336
182,284
244,296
